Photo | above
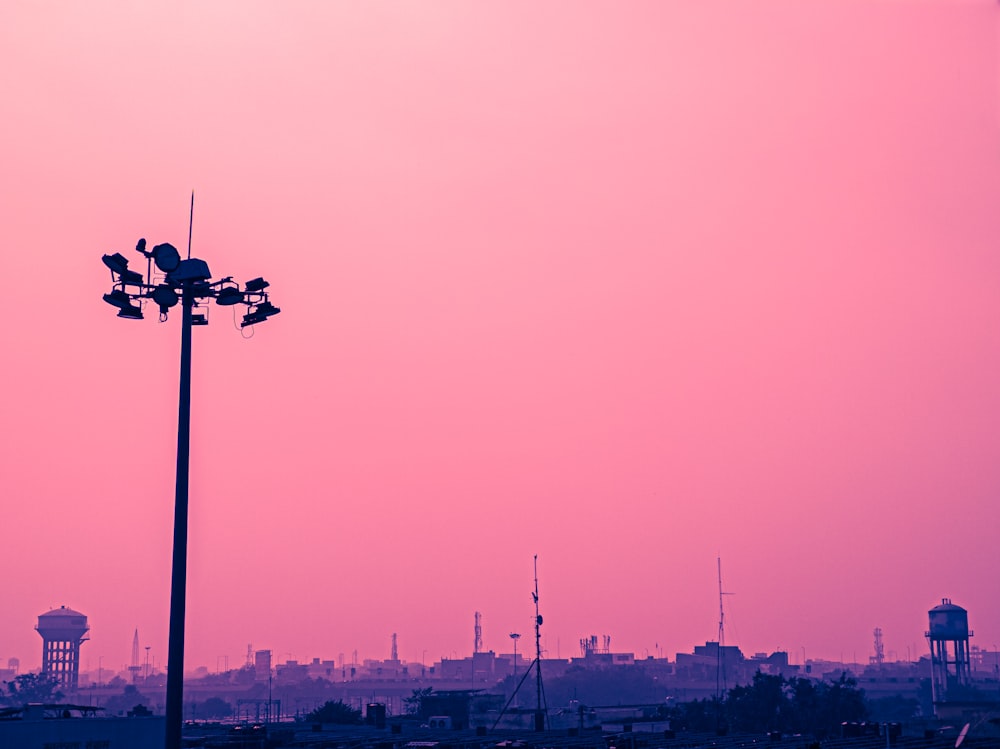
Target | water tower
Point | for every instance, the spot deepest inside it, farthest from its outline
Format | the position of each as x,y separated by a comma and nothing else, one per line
949,639
63,631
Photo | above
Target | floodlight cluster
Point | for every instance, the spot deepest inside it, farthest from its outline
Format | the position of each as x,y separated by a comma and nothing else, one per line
180,279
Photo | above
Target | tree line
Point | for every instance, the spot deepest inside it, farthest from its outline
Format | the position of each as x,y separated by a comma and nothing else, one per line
774,703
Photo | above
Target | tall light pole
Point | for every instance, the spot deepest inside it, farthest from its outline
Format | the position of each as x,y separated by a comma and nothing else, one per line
189,283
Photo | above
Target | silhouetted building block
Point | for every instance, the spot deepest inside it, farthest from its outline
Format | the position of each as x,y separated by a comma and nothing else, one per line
262,665
375,715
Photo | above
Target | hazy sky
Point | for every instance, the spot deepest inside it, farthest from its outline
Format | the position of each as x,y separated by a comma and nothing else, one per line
628,285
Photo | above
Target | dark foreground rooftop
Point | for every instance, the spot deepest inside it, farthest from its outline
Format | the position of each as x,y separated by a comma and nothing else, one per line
363,737
44,726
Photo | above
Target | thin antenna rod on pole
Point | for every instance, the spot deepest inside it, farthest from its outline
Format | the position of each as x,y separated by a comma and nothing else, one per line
190,224
720,667
721,685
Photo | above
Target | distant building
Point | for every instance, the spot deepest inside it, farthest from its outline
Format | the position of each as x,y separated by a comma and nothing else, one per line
706,659
291,670
775,664
604,660
262,665
320,669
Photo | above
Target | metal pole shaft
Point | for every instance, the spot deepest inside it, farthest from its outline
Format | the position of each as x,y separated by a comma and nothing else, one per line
539,714
178,580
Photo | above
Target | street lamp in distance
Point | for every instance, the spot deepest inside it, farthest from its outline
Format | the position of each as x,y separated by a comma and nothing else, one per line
515,636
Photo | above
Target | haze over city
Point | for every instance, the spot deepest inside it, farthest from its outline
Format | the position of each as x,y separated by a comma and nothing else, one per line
629,287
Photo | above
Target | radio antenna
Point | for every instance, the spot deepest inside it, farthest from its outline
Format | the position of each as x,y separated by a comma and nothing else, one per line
720,657
540,713
542,706
190,224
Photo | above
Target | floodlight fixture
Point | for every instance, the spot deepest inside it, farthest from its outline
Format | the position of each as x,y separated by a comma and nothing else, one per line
252,318
166,257
117,262
259,314
118,298
131,277
188,270
229,295
131,312
267,309
165,296
188,278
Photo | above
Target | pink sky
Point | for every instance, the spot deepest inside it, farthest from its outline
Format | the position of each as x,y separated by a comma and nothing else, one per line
626,285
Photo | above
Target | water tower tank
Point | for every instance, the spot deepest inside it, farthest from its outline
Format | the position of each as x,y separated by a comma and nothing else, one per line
948,622
63,624
63,630
948,635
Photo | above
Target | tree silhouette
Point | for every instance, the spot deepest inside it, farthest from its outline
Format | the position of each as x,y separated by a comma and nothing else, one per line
773,703
760,706
213,707
334,711
414,703
128,700
32,688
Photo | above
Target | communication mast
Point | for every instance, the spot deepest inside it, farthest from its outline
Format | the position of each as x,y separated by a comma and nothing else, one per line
879,658
720,659
477,643
589,646
540,692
